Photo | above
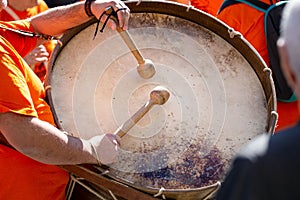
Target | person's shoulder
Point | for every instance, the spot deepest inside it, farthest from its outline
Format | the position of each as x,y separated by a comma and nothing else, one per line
255,148
289,137
266,144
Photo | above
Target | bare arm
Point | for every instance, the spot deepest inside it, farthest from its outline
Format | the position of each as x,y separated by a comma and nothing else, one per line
45,143
57,20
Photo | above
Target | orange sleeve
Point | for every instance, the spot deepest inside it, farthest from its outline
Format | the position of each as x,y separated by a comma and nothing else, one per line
22,44
14,92
29,12
42,6
21,91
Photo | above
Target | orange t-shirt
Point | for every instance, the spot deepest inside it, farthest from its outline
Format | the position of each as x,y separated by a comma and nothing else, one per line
250,22
39,69
22,92
209,6
29,12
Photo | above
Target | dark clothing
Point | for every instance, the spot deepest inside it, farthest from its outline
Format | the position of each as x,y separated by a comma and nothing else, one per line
267,168
54,3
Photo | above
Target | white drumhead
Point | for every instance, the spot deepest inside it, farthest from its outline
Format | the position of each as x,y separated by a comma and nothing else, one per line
216,102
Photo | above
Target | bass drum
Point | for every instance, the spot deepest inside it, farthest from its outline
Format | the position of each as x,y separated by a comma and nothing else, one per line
221,96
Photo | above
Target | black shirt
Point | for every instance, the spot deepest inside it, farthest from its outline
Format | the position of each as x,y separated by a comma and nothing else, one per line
266,168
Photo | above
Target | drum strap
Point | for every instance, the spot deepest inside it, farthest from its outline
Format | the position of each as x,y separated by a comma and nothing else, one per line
12,13
30,34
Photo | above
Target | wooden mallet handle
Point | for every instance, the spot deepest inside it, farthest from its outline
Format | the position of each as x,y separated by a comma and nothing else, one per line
145,67
131,45
159,95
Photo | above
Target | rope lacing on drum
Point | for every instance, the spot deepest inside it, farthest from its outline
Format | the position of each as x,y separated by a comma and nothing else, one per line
160,193
268,70
233,33
109,11
79,180
47,87
274,114
189,6
138,3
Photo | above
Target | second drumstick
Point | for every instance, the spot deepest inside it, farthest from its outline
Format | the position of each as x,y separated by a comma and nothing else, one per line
158,96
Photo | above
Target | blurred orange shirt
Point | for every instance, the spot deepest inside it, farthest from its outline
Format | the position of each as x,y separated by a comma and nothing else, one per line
209,6
250,22
29,12
22,92
39,69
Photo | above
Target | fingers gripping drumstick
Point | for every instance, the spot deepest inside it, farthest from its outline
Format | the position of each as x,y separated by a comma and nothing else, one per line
159,95
145,67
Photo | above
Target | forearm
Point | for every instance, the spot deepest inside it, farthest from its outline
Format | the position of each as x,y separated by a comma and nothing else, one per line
43,142
56,21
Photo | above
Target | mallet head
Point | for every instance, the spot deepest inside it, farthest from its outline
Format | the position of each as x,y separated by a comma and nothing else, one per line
146,70
159,95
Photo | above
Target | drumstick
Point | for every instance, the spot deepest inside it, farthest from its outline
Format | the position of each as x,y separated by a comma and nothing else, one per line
145,67
159,95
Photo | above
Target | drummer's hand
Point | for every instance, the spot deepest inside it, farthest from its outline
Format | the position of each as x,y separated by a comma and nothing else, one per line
107,148
37,55
98,7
